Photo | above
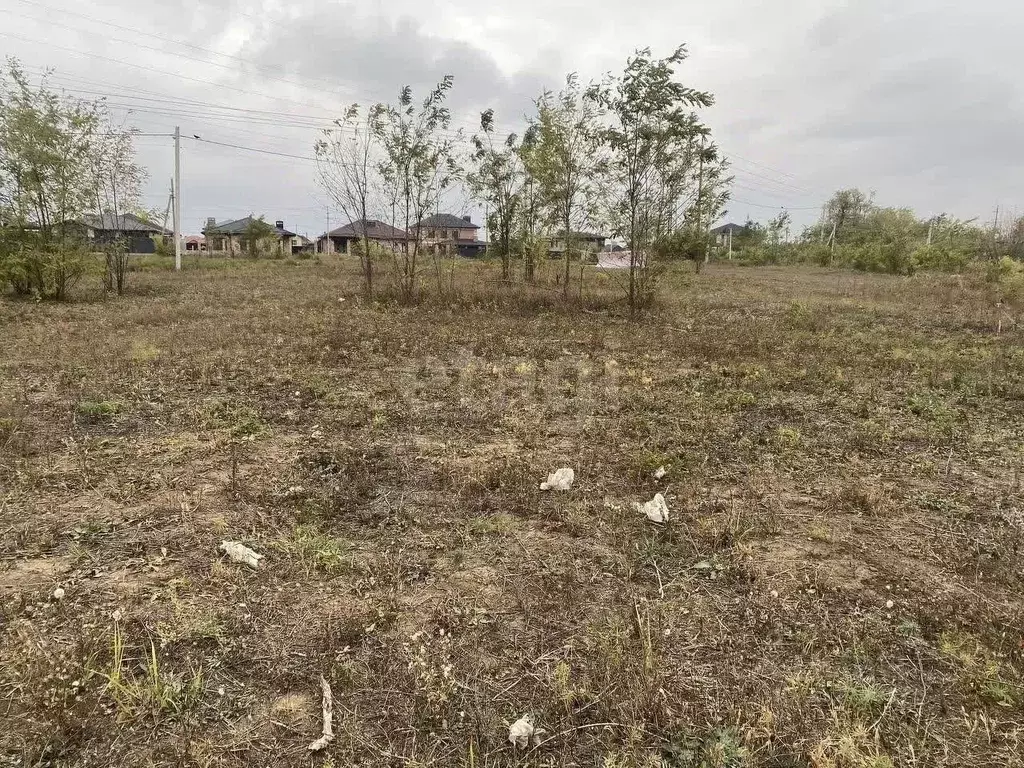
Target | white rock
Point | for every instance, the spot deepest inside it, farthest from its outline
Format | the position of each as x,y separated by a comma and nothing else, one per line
240,553
522,732
58,593
656,509
659,473
889,604
559,480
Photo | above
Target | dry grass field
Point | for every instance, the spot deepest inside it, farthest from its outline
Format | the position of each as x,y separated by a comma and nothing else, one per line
839,584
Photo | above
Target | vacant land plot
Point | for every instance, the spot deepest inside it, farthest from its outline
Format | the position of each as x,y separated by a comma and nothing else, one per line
839,583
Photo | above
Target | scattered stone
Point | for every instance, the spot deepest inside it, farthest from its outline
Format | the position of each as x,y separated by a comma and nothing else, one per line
522,732
659,473
58,593
559,480
240,553
889,604
656,509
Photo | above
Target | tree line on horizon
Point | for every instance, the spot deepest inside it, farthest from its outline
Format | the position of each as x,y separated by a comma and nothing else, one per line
854,232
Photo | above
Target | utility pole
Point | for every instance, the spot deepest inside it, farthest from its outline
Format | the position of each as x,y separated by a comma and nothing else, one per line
177,198
327,235
730,244
169,208
931,223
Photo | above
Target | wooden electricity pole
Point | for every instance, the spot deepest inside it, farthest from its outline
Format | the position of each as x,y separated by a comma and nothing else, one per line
177,198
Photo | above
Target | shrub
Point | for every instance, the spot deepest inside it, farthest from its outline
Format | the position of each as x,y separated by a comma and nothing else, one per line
163,246
1003,270
894,258
38,270
941,258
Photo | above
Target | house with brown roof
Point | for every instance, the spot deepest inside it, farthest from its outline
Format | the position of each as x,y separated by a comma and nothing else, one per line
449,234
343,239
195,243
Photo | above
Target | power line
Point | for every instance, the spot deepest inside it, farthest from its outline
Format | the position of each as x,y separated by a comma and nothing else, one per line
253,149
763,191
159,97
261,117
256,114
168,53
179,43
77,52
137,44
783,184
761,165
773,207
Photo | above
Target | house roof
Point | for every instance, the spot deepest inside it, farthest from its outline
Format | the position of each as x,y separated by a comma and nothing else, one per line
126,222
446,220
375,230
195,239
239,227
726,228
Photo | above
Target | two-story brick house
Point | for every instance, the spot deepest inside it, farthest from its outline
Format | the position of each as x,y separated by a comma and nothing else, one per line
449,234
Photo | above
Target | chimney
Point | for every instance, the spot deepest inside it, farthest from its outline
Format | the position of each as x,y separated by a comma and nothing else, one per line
211,223
468,219
279,224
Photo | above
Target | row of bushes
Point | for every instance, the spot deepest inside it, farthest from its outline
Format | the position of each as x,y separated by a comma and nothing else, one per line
893,259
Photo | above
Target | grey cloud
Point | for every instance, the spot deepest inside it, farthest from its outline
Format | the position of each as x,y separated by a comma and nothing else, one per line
372,59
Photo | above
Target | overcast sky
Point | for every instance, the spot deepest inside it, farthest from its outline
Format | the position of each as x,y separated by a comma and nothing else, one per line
919,101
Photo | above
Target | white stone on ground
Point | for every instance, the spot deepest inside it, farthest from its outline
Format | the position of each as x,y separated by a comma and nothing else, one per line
656,509
559,480
240,553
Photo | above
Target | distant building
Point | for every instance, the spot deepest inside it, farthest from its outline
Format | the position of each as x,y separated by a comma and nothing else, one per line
229,236
343,239
195,243
585,243
302,244
449,234
726,232
141,235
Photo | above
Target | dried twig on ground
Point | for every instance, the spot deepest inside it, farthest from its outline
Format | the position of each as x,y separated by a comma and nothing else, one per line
328,706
